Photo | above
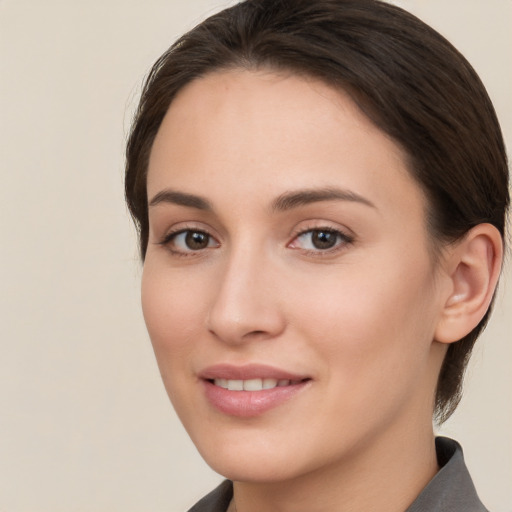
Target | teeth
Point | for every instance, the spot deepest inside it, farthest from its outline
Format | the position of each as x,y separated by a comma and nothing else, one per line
223,383
235,385
269,383
251,384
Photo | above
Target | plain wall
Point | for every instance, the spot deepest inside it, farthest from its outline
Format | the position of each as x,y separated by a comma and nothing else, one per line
85,424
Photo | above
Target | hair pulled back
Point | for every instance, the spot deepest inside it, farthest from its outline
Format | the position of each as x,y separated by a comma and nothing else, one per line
409,80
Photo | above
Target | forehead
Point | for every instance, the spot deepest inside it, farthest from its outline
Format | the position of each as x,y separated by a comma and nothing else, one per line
260,131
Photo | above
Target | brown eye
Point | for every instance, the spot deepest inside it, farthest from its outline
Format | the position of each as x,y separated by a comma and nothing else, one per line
196,240
321,239
189,241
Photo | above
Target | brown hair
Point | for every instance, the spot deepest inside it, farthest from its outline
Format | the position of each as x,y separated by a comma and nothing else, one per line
409,80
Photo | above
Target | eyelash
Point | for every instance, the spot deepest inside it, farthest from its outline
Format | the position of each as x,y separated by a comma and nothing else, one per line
341,242
172,235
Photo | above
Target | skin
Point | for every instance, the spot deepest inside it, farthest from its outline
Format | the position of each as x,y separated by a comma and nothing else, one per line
360,319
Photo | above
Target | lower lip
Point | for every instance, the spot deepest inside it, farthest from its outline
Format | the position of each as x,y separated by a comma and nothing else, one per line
247,404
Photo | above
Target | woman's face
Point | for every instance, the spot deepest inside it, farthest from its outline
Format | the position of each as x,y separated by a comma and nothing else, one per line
288,287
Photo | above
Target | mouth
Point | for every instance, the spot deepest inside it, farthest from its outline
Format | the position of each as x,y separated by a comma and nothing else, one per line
251,390
254,384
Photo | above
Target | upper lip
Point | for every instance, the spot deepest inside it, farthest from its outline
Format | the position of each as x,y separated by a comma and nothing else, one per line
248,371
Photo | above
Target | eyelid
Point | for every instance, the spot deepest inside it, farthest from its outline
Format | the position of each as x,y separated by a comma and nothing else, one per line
179,227
319,225
346,235
175,231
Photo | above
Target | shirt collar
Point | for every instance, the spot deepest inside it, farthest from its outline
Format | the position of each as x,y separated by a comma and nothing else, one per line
451,489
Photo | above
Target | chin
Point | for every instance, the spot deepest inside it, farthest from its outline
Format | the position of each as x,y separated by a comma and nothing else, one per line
258,460
244,468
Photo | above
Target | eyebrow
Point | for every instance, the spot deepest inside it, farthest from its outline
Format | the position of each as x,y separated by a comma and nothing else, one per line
181,199
286,201
290,200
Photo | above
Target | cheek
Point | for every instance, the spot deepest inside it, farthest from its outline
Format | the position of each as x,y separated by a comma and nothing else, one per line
174,317
172,313
374,330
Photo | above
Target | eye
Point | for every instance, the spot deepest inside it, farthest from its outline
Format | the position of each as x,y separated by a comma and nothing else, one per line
320,239
189,240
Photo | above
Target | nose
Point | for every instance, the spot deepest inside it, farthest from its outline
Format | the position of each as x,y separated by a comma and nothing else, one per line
246,306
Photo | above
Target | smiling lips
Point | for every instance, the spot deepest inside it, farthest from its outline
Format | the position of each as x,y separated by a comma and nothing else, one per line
248,391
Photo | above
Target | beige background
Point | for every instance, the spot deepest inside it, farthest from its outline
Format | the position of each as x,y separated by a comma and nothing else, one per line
84,421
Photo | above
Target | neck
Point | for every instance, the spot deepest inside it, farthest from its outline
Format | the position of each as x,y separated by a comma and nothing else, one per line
385,475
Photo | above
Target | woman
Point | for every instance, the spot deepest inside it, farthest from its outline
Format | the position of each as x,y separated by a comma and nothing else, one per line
320,190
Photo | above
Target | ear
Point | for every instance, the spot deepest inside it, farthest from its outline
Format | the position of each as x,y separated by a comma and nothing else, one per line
473,266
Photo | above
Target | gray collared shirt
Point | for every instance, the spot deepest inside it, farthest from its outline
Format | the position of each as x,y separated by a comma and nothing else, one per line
451,489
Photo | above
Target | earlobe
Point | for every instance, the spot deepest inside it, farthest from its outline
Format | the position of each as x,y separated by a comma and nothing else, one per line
475,264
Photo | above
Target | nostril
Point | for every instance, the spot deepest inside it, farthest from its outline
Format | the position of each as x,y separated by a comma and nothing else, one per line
255,333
